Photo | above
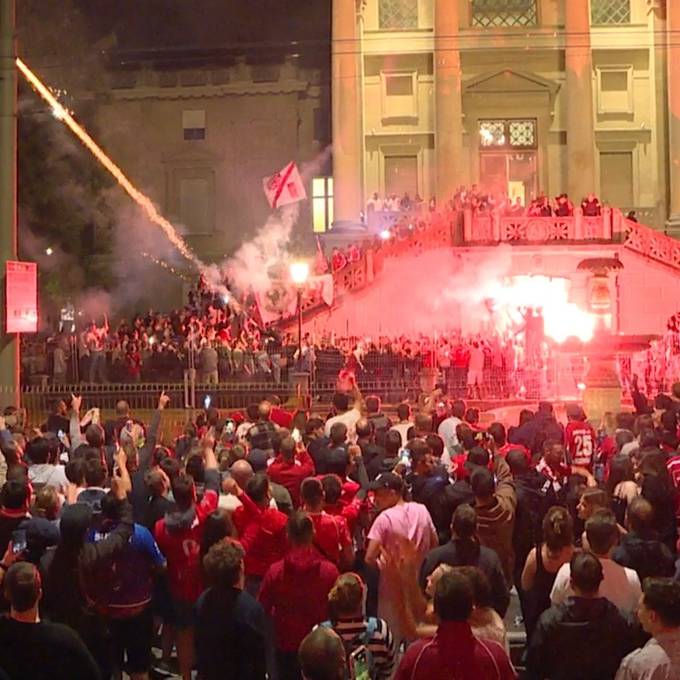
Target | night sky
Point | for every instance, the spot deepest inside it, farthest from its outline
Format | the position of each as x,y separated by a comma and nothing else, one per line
140,24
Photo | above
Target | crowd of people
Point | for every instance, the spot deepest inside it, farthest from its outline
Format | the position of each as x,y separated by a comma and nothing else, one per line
487,365
480,200
269,543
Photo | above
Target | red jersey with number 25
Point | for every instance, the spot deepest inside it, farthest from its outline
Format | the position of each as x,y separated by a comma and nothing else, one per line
580,442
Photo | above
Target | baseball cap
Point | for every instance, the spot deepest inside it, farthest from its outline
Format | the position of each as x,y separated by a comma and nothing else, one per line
387,480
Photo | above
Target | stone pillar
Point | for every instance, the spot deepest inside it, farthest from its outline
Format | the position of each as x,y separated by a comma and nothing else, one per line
579,95
9,344
448,138
673,27
347,97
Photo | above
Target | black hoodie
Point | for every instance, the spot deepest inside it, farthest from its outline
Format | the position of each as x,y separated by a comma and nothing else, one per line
644,552
580,639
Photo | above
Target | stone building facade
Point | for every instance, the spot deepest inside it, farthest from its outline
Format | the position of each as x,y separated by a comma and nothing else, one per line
521,96
198,131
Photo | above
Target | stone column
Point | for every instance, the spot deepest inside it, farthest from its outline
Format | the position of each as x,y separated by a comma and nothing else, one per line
579,95
673,28
347,96
9,344
448,137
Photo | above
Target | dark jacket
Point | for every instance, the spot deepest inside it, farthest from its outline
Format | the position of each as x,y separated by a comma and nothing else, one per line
68,573
645,553
536,431
531,508
455,494
230,634
139,496
579,639
457,553
431,492
662,495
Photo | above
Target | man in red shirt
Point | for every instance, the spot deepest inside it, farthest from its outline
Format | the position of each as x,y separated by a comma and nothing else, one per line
331,534
501,445
295,591
333,504
291,467
261,528
454,652
580,438
179,535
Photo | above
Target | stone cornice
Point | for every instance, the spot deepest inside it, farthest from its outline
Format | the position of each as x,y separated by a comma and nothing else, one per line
211,91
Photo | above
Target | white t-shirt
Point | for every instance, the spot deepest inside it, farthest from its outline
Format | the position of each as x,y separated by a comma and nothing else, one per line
447,431
621,586
49,475
402,429
350,419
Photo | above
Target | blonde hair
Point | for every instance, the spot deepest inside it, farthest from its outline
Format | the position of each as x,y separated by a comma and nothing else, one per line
46,503
434,577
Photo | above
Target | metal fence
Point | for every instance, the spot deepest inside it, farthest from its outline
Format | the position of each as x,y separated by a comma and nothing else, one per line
233,395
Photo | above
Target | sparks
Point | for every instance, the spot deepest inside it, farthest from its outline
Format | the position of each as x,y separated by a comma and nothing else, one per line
61,113
164,265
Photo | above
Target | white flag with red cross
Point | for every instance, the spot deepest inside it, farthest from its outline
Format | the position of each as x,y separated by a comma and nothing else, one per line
284,187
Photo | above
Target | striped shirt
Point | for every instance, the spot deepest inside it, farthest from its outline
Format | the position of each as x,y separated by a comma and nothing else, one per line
380,644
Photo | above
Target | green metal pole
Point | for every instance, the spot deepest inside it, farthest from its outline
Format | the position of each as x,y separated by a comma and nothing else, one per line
9,344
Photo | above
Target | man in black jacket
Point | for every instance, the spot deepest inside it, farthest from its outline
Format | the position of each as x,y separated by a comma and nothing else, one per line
531,508
71,569
584,637
640,548
230,623
38,649
464,550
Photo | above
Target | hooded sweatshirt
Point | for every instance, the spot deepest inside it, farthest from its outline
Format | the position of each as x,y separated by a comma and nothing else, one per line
580,638
496,522
179,535
262,534
294,593
645,553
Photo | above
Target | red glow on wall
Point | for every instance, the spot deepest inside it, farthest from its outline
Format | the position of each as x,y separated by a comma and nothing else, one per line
21,297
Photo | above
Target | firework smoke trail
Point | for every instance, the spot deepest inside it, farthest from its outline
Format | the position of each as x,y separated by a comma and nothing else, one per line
164,265
141,199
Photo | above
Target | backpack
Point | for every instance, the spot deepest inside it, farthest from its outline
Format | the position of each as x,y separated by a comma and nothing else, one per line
359,640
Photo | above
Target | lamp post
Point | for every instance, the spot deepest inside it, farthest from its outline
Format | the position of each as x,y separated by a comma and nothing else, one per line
299,273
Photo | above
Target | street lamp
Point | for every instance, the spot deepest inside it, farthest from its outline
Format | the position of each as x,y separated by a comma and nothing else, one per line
299,273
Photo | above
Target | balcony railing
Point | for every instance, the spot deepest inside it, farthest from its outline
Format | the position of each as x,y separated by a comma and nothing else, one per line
652,244
495,228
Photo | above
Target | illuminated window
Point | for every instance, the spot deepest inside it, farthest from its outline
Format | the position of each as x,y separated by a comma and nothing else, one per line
609,12
492,133
322,203
510,134
504,13
398,14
